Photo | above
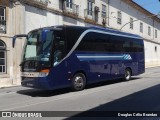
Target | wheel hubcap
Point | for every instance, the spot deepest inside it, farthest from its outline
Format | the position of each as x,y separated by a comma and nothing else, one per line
78,82
127,75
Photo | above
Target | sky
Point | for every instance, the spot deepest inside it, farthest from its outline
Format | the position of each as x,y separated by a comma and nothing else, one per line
152,6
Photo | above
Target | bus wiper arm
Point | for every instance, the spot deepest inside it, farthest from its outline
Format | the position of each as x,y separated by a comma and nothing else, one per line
17,36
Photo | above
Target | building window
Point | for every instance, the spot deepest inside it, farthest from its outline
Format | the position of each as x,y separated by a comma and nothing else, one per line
149,30
104,12
119,17
2,19
131,23
156,34
90,7
69,3
2,57
141,27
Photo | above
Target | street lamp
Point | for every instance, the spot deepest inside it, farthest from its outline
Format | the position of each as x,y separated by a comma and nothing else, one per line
139,19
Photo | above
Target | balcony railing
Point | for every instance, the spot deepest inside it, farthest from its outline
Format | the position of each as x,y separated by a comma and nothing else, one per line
89,14
45,2
2,26
69,7
4,3
41,3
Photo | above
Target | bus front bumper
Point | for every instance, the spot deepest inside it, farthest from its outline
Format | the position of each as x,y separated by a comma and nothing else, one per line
38,83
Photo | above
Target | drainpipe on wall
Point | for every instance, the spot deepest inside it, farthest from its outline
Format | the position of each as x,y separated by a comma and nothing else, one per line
153,28
108,11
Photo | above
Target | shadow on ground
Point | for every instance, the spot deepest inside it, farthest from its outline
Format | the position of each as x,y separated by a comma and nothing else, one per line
145,101
49,93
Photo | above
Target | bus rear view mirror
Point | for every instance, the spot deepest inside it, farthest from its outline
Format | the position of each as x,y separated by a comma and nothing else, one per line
15,37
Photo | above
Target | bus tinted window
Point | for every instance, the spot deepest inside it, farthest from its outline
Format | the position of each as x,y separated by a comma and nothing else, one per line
72,35
93,42
116,44
98,42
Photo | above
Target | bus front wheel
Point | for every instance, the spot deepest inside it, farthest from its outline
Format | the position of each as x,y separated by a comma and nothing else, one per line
78,82
127,75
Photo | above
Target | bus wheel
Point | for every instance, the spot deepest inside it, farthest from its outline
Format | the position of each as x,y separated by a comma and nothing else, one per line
127,74
78,82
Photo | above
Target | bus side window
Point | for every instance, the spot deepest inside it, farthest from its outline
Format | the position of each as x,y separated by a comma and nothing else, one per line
59,49
126,46
57,57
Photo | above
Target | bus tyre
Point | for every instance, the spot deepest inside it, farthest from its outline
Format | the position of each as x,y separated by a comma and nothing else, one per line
127,74
78,82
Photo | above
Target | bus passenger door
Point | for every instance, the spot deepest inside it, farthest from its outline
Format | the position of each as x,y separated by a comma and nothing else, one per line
60,66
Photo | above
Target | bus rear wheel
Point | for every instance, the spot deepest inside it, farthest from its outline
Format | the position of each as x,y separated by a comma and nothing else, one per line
78,82
127,75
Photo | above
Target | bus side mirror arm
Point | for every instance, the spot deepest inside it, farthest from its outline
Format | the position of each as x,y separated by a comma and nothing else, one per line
17,36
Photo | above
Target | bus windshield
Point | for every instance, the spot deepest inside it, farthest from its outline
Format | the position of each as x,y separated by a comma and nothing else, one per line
43,49
37,51
36,48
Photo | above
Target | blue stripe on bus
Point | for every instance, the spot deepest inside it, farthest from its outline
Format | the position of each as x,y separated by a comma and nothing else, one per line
86,57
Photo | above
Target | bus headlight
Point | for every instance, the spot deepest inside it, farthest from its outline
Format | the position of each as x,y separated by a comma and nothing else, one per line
44,73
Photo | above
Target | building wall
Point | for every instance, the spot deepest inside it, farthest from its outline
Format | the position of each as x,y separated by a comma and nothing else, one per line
6,78
151,56
14,25
37,18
